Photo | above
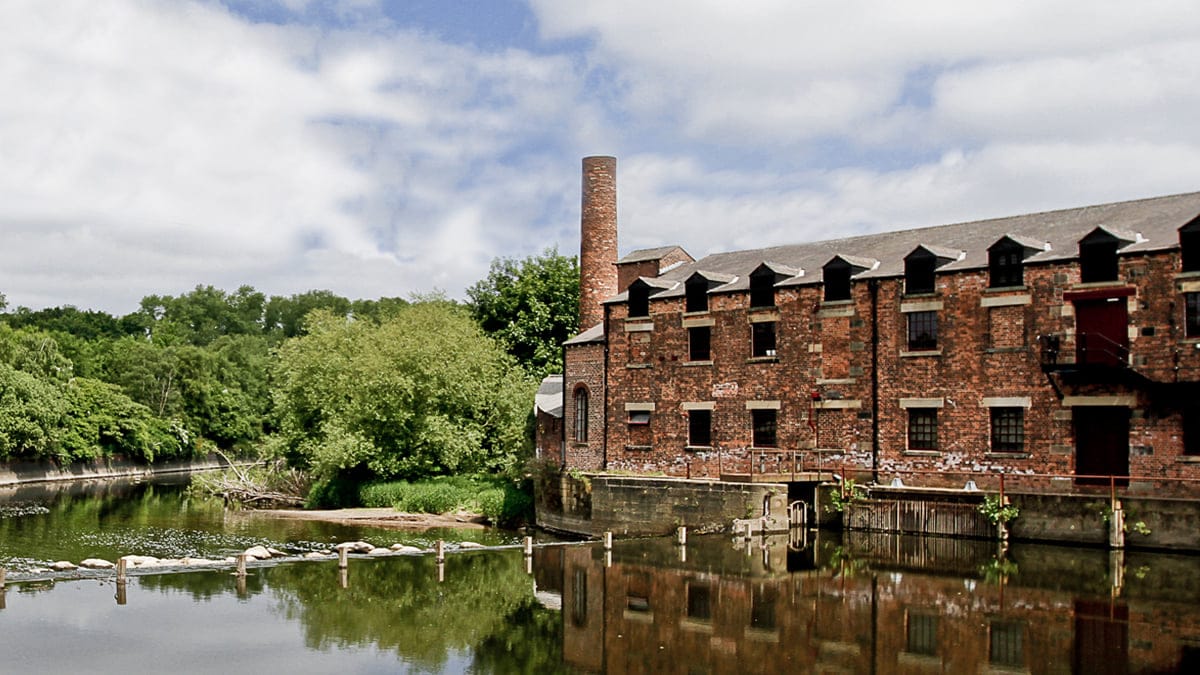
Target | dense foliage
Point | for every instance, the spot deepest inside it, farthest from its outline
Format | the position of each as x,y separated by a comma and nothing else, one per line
499,499
531,306
349,390
422,393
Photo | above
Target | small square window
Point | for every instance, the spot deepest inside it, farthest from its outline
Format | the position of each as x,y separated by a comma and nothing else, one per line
762,339
763,422
699,343
639,417
922,429
696,290
1006,643
922,331
1191,317
921,633
1008,429
700,428
1005,264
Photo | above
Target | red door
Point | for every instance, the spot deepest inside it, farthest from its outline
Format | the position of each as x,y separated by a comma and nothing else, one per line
1102,332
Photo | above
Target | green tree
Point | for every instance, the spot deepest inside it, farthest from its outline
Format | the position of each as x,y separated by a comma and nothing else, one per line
31,413
285,315
531,306
422,393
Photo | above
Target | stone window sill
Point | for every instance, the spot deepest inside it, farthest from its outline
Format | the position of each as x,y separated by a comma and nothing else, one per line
920,353
922,453
1006,455
639,447
635,366
580,444
763,359
688,364
698,448
1188,459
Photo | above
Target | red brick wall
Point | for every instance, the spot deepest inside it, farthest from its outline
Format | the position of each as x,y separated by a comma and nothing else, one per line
987,347
598,239
585,370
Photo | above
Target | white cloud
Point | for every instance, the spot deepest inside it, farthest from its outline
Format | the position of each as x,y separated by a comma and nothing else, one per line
162,145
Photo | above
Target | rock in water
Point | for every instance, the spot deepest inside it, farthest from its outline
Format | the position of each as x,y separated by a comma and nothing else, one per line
139,560
96,564
258,552
63,566
469,544
356,546
401,548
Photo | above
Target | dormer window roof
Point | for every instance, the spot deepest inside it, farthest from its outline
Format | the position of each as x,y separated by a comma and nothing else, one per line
1098,253
921,265
1189,245
837,272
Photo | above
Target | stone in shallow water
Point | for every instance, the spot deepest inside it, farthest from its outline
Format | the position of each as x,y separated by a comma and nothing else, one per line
139,560
381,551
356,546
198,561
258,552
63,566
469,544
315,554
402,548
96,564
275,553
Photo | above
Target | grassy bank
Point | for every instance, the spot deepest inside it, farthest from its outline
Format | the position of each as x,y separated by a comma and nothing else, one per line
500,500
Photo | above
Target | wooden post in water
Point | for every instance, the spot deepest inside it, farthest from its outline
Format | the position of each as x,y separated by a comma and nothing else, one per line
528,546
608,541
343,557
343,578
3,575
439,551
241,564
122,569
682,535
441,570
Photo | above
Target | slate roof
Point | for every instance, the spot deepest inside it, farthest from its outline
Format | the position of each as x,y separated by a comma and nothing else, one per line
549,396
646,254
1054,235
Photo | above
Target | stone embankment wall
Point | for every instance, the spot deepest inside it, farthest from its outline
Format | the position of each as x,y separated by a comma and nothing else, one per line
1071,519
17,473
630,505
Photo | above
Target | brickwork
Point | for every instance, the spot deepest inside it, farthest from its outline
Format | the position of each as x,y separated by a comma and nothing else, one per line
598,239
585,376
847,376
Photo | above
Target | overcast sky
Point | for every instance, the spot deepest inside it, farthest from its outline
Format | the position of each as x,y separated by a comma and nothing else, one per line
388,148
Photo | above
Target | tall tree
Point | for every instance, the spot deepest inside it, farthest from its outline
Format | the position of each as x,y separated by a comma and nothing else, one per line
423,393
531,306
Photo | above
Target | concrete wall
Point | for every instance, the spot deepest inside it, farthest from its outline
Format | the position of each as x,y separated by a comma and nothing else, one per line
17,473
629,506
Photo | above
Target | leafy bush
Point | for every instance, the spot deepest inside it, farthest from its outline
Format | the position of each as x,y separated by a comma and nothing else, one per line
500,501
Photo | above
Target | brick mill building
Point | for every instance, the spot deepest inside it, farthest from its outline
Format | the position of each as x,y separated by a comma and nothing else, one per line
1062,344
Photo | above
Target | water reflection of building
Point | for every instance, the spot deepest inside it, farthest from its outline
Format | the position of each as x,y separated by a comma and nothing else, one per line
757,609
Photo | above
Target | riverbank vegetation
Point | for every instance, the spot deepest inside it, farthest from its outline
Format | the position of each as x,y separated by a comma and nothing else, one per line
349,392
500,499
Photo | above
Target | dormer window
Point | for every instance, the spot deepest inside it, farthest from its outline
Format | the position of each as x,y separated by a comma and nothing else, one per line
762,287
1189,244
919,268
1006,265
639,299
836,275
1098,257
696,289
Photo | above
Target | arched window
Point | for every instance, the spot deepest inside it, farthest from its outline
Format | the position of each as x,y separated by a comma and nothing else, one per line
581,415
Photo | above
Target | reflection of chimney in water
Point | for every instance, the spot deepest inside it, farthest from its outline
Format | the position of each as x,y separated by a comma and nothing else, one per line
597,239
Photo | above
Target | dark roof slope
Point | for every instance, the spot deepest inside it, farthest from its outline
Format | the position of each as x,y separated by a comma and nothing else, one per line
1156,221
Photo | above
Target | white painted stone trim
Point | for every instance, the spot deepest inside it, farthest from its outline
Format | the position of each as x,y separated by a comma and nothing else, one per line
921,306
699,405
1005,402
639,407
1006,300
698,321
938,402
763,405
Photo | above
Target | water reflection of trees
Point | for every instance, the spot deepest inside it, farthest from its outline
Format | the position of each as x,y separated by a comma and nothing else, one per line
485,605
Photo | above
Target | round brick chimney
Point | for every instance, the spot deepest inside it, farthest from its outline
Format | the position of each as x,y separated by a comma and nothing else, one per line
597,239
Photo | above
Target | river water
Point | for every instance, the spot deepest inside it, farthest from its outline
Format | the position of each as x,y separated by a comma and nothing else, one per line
815,602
